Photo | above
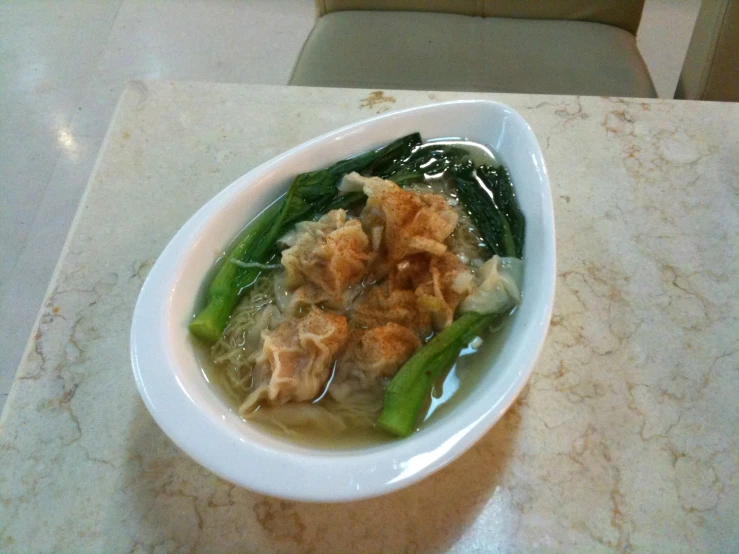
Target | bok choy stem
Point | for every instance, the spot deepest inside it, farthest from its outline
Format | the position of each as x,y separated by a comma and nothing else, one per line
410,386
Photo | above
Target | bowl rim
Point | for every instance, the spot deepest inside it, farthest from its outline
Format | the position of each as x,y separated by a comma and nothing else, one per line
203,436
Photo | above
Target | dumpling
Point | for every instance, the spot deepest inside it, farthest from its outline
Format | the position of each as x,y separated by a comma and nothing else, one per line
416,222
422,292
445,286
384,303
497,287
411,273
328,257
381,351
296,359
370,356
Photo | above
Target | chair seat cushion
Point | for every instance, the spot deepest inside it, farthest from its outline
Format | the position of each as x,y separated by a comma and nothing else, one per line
432,51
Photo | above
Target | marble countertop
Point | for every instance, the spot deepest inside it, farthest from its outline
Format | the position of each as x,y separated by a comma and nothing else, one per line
625,438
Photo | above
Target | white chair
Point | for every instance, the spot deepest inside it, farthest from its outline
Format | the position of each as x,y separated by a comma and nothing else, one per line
531,46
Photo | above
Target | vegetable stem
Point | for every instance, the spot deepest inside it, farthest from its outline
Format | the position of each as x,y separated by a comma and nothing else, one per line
401,407
222,296
407,390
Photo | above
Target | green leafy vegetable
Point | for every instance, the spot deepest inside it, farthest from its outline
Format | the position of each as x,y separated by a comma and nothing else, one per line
488,194
498,181
427,160
345,201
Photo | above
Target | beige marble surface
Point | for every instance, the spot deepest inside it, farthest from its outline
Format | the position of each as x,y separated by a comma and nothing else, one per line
624,440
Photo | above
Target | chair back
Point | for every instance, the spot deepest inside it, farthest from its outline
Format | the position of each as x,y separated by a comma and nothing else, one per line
625,14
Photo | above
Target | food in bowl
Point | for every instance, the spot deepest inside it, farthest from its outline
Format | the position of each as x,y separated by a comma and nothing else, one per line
339,311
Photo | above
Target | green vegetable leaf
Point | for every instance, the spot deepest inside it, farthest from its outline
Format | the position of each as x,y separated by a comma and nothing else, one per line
488,194
498,181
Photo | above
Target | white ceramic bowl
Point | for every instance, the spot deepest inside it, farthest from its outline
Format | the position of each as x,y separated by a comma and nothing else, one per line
192,414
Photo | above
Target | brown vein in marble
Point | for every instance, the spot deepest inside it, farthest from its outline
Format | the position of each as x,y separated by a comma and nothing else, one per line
64,326
280,520
375,98
566,117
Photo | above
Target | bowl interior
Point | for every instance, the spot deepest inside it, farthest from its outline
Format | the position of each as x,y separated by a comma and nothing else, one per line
169,375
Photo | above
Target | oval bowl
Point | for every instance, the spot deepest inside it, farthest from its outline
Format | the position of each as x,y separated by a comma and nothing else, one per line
192,414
